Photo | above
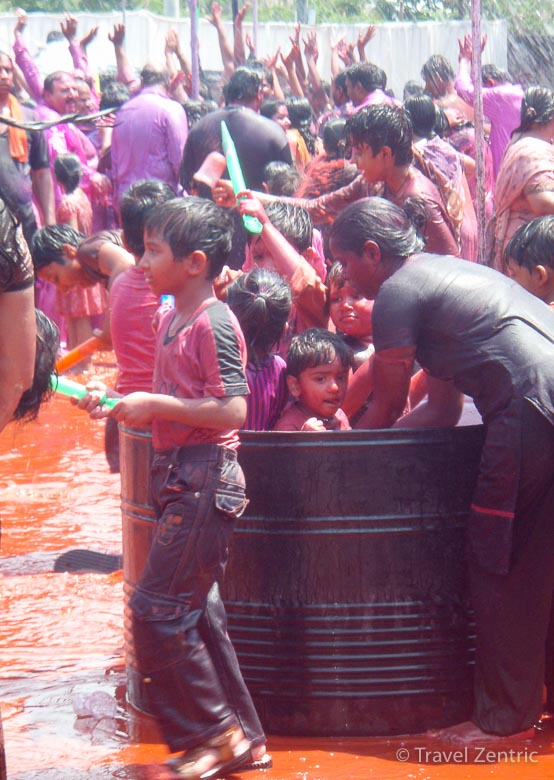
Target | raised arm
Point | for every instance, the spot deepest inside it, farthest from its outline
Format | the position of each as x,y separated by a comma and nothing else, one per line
77,49
125,72
24,60
271,65
227,59
363,40
239,52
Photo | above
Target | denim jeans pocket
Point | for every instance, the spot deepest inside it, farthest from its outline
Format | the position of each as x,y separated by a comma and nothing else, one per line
232,505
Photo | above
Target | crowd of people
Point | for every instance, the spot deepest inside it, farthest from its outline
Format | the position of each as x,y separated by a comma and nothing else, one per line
340,289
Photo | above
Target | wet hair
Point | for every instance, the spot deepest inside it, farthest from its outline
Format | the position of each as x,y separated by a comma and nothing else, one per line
54,35
423,115
334,138
261,301
316,347
260,68
412,88
135,206
243,86
301,118
293,222
340,80
51,78
335,276
437,68
47,244
369,75
442,125
114,95
281,178
68,170
47,344
270,106
495,73
194,224
532,244
375,219
380,126
537,108
151,75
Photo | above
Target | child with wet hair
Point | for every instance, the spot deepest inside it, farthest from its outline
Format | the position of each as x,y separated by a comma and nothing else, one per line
74,208
280,178
318,367
529,258
261,301
285,247
350,313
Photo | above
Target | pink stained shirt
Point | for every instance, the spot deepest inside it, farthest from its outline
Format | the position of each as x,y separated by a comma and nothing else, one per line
132,310
502,105
147,141
294,417
376,98
205,358
62,138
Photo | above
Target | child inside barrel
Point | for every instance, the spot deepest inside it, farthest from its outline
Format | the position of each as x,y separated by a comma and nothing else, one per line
318,367
529,258
261,301
350,313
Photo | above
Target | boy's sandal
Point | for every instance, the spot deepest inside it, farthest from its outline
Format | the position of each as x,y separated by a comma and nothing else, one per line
257,765
227,758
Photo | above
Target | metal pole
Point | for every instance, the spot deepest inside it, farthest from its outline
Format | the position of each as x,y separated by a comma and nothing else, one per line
255,26
194,61
479,123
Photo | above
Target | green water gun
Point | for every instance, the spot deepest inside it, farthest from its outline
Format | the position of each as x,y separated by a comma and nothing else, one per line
60,384
252,224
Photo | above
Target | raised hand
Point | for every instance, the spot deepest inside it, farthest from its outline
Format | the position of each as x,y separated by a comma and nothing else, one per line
69,27
22,20
118,35
310,46
364,39
89,37
241,13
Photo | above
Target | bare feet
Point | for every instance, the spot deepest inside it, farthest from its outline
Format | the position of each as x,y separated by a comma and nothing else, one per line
467,733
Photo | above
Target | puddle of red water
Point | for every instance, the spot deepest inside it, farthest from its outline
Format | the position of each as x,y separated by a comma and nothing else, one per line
61,640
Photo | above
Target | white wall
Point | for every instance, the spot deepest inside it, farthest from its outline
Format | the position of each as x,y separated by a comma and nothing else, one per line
399,48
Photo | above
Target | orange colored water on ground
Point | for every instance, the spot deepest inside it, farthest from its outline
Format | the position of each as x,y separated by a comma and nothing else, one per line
61,640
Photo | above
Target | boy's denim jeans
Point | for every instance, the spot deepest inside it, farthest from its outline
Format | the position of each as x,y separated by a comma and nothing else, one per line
184,653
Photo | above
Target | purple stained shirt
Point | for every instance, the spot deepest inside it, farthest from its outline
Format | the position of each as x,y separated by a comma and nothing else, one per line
502,105
148,140
268,393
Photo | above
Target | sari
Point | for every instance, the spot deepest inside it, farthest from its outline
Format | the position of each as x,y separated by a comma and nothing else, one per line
527,167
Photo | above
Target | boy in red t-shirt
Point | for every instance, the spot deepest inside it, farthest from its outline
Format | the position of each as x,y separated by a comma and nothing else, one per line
197,405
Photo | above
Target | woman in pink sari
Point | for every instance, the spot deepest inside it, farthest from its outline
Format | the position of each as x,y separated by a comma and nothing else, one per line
525,184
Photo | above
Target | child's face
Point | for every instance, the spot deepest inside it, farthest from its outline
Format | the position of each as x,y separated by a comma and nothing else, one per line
321,389
158,264
527,279
350,311
66,275
261,257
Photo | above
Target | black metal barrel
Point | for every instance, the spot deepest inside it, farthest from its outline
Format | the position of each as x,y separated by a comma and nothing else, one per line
346,588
